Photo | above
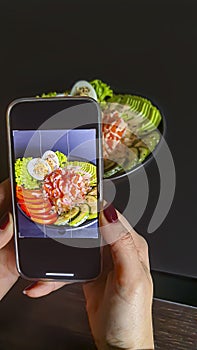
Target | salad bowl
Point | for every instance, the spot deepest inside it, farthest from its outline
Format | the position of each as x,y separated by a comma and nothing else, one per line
133,127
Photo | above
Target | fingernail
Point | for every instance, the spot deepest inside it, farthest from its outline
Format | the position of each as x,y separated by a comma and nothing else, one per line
110,213
4,221
31,286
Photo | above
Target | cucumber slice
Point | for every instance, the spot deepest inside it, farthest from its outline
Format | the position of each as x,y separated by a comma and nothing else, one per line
139,143
135,150
144,152
131,159
92,202
65,218
82,217
151,140
108,164
112,171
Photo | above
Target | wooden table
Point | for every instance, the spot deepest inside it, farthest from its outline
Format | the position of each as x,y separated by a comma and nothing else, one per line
175,326
59,322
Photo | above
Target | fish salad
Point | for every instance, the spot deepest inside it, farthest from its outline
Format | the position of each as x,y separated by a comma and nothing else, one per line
52,190
125,145
66,187
129,125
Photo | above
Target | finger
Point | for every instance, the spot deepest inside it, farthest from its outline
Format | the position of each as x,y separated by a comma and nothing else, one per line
127,260
139,241
41,288
6,230
124,252
107,261
5,196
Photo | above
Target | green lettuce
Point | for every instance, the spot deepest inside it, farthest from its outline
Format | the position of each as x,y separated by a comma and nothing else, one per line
62,159
103,90
22,176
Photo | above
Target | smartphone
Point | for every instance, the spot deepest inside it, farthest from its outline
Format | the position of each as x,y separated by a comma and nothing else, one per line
55,153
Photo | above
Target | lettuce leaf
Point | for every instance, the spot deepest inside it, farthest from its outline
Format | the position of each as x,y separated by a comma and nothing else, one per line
62,159
22,176
103,90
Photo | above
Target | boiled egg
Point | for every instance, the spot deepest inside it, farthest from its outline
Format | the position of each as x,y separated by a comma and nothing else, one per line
51,158
38,168
83,88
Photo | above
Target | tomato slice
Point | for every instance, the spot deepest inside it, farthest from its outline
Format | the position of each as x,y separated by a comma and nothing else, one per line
39,211
24,209
45,221
32,194
19,193
39,205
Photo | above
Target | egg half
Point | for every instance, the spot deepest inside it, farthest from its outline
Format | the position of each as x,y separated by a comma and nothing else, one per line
38,168
51,158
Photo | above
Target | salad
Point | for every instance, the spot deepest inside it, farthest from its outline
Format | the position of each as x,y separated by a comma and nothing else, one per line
52,190
129,125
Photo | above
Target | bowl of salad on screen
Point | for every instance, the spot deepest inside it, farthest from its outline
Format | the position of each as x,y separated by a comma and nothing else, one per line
50,190
132,126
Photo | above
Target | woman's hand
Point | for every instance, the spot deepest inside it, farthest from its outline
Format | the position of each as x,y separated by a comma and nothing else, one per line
8,270
119,302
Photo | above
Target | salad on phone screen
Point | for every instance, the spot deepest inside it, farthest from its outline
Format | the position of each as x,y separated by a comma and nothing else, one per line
51,190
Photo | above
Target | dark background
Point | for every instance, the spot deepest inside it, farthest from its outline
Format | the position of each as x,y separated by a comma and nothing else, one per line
141,47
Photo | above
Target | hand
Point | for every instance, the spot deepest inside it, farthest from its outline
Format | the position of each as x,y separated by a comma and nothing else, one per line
119,302
8,271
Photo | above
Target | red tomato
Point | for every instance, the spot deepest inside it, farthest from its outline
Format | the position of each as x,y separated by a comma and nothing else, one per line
38,205
19,193
32,194
45,221
24,209
39,211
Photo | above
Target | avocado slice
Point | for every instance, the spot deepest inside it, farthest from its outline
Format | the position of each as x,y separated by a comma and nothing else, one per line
143,107
70,215
92,202
82,217
88,167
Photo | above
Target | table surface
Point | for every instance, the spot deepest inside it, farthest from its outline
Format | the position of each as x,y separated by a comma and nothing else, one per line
60,321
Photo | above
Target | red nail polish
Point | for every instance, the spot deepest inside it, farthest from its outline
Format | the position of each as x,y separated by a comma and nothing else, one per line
4,221
110,213
31,286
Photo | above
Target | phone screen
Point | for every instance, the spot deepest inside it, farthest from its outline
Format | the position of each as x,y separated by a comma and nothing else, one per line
55,175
